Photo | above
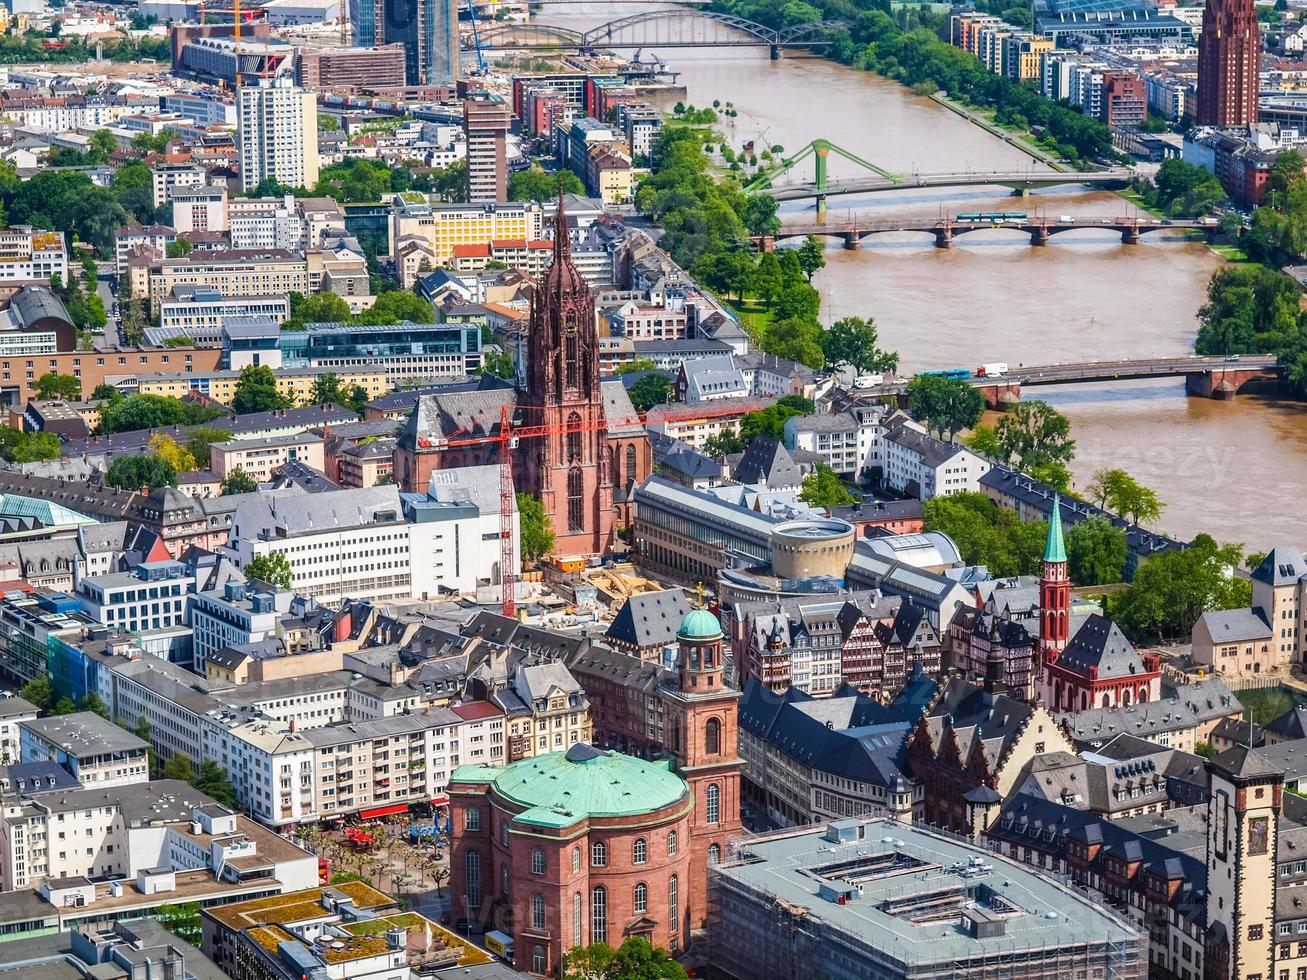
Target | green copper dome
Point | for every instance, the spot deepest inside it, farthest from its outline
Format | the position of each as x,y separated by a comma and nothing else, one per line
700,624
1054,549
560,788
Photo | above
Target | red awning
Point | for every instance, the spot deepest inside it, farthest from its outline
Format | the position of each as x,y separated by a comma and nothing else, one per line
441,800
383,811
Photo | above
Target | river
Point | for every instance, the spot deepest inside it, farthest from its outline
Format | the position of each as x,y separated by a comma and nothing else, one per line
994,298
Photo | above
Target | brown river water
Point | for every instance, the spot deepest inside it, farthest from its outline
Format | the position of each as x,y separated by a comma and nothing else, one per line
992,297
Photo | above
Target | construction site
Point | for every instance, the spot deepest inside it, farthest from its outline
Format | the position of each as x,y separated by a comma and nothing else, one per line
877,899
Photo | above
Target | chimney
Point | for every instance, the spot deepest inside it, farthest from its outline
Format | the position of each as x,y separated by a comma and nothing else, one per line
342,626
292,726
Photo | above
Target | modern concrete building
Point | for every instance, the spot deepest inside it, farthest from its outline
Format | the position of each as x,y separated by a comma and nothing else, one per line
836,896
277,134
485,125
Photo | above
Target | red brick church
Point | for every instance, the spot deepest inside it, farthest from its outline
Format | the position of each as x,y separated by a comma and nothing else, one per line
580,445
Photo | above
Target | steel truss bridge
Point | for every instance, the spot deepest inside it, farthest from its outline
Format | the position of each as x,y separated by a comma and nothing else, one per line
676,27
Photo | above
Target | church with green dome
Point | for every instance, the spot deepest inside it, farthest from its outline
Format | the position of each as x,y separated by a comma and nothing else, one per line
592,845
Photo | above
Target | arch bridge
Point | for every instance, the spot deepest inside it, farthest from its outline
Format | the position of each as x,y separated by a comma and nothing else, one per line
675,27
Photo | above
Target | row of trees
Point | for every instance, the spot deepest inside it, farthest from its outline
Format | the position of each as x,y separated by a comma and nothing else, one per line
364,181
395,306
68,201
1180,188
1253,309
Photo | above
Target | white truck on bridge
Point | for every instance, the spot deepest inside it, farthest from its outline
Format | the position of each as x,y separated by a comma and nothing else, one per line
995,370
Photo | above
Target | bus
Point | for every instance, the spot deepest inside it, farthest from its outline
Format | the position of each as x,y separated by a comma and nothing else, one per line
956,374
991,217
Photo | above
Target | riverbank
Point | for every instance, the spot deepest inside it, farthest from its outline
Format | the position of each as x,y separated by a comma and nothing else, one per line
1018,140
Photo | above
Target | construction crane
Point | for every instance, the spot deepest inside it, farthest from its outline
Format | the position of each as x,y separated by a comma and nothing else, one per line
476,35
236,35
508,438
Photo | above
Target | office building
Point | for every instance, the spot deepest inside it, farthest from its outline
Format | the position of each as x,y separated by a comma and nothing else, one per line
1229,62
427,29
838,896
198,209
485,125
277,133
326,69
197,312
95,751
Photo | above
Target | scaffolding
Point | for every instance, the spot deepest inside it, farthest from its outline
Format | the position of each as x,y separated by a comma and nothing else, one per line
754,933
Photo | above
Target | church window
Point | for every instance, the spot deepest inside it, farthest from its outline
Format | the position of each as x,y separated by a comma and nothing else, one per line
575,505
573,361
573,437
630,464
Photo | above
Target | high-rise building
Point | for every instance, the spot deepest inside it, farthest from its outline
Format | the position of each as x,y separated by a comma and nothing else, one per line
278,134
1229,59
485,126
428,29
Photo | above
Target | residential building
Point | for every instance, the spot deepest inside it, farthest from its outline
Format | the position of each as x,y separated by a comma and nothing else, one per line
235,614
1269,636
95,751
277,132
250,272
12,711
973,737
645,626
28,254
1229,62
155,239
294,383
198,209
809,760
259,458
443,226
790,900
1124,100
167,177
485,127
1184,715
920,466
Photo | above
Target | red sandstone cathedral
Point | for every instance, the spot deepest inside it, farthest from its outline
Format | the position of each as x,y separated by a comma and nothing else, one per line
581,447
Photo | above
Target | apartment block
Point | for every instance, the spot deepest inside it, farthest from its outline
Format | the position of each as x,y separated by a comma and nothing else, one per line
277,134
28,254
95,751
167,177
258,458
238,272
200,208
198,311
443,226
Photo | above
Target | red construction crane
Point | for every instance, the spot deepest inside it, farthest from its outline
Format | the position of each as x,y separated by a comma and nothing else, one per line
507,440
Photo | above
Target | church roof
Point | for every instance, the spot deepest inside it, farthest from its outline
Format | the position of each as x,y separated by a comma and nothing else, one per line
1054,548
1099,643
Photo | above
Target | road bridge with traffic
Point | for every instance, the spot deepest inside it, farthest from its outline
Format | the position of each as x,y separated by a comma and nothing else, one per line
1206,377
948,229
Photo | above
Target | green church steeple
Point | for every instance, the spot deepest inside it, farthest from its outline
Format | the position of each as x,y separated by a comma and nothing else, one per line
1054,548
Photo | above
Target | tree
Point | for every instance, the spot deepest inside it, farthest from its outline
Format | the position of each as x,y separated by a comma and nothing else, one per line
180,247
983,440
238,481
944,405
797,301
1033,433
768,281
94,703
101,144
321,308
28,447
178,766
106,392
635,959
64,706
1173,588
176,456
796,339
199,440
536,185
39,692
272,568
536,530
854,341
327,390
768,422
1125,496
52,385
653,389
723,444
397,307
823,488
139,472
987,534
211,779
182,920
811,255
153,412
1096,552
256,391
636,365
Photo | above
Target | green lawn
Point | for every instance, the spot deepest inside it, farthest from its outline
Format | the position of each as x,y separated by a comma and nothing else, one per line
1231,253
1265,704
1134,198
753,314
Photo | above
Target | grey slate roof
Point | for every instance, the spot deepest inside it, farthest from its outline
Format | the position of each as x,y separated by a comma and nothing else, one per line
768,462
1283,565
1100,643
1236,625
1177,709
1290,725
649,620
